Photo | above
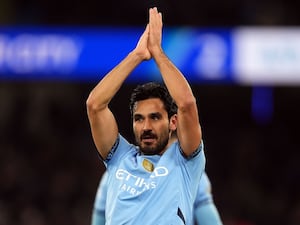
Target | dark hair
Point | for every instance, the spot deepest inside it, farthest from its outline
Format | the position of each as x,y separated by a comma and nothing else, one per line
153,90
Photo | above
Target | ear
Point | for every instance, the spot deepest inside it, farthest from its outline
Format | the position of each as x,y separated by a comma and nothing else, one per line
173,122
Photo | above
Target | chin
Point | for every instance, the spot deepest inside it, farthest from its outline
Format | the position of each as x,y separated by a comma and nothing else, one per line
150,151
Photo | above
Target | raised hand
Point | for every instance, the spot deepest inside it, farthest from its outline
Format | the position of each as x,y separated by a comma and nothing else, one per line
141,48
155,31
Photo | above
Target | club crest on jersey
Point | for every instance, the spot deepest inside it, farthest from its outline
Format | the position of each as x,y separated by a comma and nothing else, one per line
148,165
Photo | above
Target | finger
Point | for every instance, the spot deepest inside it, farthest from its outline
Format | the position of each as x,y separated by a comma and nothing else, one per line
147,28
155,17
160,15
145,33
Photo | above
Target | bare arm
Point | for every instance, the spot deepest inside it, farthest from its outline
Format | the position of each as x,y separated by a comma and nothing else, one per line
103,124
188,127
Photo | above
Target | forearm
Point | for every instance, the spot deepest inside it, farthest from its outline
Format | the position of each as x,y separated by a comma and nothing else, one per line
104,91
188,127
175,81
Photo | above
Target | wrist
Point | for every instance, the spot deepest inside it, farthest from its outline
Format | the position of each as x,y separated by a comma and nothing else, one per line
136,56
157,52
141,55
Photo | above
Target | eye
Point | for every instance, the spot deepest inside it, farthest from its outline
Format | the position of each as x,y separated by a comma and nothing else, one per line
155,116
138,118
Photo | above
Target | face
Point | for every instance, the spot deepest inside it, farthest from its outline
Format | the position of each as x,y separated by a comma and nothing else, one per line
151,126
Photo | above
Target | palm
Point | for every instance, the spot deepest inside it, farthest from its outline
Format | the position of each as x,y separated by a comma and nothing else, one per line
142,46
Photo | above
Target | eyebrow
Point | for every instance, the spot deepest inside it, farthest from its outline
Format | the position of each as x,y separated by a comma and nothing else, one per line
158,114
137,115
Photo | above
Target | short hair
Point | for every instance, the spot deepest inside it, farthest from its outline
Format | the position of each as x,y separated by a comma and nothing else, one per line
153,90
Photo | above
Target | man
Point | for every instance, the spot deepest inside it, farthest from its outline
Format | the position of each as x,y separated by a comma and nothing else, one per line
154,182
205,211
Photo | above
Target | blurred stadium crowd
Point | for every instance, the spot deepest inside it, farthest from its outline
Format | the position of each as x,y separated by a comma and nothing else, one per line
49,168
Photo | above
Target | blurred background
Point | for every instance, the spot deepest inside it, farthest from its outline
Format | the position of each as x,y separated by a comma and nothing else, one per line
241,57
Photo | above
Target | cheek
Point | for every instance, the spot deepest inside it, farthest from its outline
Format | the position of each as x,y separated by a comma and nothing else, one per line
135,128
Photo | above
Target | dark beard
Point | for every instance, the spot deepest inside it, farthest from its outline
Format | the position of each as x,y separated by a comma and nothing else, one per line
156,150
153,150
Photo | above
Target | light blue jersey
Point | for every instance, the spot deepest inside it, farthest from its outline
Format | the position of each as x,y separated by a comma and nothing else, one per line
142,187
205,211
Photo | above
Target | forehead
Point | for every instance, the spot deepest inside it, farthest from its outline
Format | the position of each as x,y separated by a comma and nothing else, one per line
149,106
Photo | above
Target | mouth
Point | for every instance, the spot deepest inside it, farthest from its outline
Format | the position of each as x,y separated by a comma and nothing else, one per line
148,139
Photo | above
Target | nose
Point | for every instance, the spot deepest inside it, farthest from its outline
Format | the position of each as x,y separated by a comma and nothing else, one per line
147,125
